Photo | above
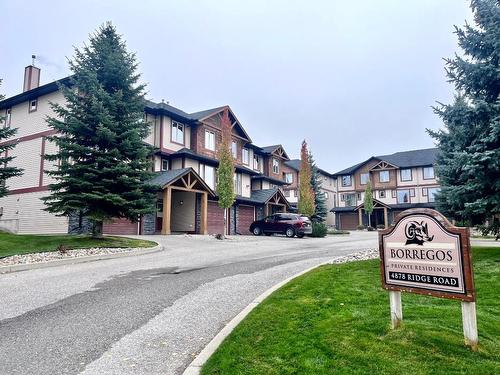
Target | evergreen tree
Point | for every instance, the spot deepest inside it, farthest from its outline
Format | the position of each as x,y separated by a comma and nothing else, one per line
368,202
468,164
320,209
306,193
104,161
6,171
225,172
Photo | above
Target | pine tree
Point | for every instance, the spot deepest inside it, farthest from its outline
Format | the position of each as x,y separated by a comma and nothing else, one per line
306,193
320,209
6,171
225,172
104,161
368,202
468,164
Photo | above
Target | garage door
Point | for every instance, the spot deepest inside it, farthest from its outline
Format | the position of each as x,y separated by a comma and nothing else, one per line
120,226
348,221
245,218
215,218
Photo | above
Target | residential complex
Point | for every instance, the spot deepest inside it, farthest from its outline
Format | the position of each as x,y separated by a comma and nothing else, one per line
185,163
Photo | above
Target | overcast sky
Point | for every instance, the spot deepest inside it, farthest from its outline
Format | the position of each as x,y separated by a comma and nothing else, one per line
354,78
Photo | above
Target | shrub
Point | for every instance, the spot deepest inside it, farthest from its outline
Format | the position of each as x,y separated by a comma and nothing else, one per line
360,227
319,230
370,229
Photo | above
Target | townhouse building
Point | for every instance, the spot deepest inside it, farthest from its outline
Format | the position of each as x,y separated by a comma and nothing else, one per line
291,171
399,181
185,163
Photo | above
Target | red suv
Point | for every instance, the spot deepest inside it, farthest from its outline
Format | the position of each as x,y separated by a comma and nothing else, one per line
285,223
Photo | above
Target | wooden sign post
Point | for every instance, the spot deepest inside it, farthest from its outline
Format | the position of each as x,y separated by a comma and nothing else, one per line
424,253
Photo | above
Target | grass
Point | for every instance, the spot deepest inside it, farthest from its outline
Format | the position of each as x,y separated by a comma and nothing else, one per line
12,244
335,320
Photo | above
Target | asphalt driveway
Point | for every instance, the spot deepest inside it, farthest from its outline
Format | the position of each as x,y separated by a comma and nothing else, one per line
149,314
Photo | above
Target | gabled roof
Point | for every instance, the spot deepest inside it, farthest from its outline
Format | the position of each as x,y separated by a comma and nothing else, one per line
263,196
403,159
295,164
206,113
271,179
269,150
167,178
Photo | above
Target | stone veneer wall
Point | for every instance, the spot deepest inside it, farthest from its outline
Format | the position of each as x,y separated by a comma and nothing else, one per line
149,224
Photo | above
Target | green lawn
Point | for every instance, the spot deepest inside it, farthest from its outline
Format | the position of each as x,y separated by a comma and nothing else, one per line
335,320
12,244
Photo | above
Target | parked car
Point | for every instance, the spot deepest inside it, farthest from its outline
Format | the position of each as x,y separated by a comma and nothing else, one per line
285,223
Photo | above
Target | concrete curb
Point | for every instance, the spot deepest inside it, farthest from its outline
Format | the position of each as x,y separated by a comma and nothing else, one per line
195,367
90,258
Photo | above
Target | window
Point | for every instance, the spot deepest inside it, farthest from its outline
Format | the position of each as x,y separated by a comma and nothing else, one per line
350,200
177,135
237,183
288,177
209,140
405,174
276,166
207,172
295,193
256,162
164,164
234,149
383,176
159,206
431,192
428,173
359,196
403,196
364,177
33,105
8,116
272,186
346,181
245,156
326,195
381,194
287,193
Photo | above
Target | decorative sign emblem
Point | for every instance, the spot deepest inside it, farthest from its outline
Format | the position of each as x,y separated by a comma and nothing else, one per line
424,253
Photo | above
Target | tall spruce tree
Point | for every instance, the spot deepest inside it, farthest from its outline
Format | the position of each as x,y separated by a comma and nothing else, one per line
225,172
320,209
306,193
104,161
6,171
468,164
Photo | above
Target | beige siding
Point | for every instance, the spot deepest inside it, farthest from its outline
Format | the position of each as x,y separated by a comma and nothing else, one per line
245,185
167,134
34,122
50,149
192,163
24,214
151,136
27,156
176,164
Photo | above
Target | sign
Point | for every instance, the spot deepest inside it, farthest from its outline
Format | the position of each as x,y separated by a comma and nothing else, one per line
423,253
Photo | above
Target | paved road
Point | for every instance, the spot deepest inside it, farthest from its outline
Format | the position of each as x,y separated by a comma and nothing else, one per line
149,314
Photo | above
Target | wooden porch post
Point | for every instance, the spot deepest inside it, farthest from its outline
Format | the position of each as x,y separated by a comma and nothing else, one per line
266,210
385,218
360,217
167,204
204,213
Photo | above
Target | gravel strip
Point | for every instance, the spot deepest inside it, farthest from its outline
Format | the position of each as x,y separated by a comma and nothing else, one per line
56,255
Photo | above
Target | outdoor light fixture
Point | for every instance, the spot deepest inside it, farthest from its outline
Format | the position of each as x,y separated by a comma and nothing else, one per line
181,202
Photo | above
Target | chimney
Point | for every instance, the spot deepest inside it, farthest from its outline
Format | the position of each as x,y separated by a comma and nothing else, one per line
31,76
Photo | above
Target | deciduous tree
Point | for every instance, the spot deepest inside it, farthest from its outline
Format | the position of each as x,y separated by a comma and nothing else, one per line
306,193
368,202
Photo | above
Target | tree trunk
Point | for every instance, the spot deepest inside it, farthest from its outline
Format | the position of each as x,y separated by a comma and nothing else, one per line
369,218
225,221
97,229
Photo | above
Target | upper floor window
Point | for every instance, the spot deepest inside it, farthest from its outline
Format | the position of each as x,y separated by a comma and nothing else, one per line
33,105
287,193
209,140
403,196
234,149
349,199
405,174
383,176
428,173
346,180
164,164
207,172
8,116
431,192
288,177
237,183
245,156
276,166
381,194
256,162
177,135
364,177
